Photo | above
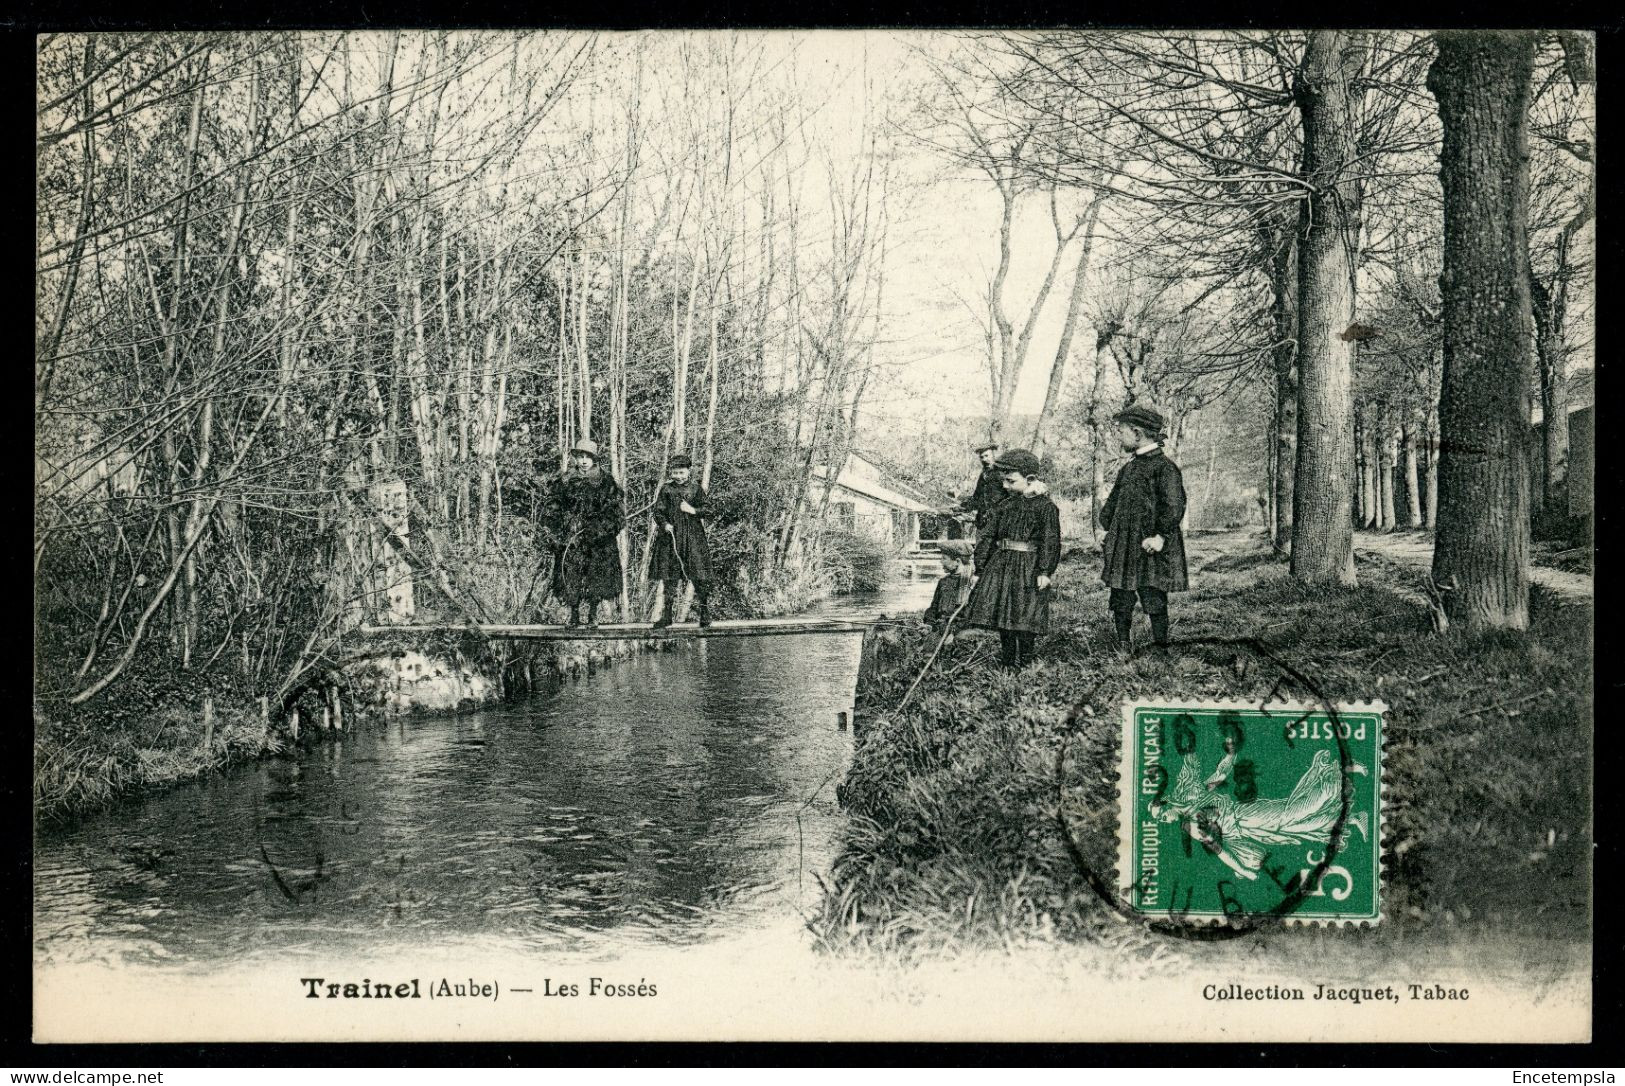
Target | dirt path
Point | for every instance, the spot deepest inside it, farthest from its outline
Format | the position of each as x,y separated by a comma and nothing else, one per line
1417,551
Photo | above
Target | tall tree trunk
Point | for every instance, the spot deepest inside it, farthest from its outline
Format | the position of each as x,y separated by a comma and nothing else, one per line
583,357
1413,476
1546,310
1057,370
561,402
1550,311
1431,513
1365,507
203,444
1481,553
1386,520
1212,477
290,243
1097,433
1266,500
617,378
1322,538
47,358
460,371
1002,361
1284,281
1015,356
180,629
682,347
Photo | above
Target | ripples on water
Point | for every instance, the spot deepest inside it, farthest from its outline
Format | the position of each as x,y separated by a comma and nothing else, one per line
671,798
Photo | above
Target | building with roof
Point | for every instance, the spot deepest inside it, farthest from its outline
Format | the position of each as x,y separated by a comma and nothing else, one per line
869,499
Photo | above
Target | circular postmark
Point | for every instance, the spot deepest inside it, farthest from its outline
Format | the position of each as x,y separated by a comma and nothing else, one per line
1225,816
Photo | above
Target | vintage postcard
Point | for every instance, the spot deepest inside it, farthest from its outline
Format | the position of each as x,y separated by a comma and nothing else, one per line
1046,535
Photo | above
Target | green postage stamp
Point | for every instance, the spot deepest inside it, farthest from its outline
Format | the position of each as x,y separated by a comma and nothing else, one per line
1235,810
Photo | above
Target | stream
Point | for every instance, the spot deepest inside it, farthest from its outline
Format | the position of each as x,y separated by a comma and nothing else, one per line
671,798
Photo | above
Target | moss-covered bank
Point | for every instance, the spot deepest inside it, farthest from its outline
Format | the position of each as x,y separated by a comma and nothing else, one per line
954,839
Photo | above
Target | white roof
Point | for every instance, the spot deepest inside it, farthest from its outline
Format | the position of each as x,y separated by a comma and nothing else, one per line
869,488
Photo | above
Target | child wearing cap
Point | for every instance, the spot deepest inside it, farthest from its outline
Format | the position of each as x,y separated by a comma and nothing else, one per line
953,588
1145,546
681,551
1016,556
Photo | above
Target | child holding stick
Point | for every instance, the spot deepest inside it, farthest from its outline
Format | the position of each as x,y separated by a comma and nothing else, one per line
953,589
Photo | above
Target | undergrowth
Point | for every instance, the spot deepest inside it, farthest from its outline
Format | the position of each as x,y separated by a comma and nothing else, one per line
955,842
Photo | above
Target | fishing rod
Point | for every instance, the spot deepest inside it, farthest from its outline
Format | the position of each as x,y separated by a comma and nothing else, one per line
947,628
676,553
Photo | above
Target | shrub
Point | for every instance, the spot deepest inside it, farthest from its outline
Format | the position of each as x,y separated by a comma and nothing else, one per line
857,562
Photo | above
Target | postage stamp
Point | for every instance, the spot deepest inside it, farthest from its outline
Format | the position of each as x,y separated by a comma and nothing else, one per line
1233,810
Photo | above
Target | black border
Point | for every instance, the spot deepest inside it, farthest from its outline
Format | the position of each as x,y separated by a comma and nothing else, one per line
18,25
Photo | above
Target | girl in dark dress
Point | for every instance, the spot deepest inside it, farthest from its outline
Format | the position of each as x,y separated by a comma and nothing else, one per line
1015,558
1145,546
681,552
587,516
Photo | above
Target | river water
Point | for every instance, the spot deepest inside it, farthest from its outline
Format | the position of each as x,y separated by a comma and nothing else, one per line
671,798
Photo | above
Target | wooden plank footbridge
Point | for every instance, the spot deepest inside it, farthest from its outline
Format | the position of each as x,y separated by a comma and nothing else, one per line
639,631
643,631
633,631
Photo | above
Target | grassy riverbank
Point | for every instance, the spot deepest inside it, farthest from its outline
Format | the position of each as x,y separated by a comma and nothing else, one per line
154,732
954,841
152,735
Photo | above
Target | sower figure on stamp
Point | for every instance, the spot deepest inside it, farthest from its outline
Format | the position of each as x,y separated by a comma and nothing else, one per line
1145,545
1015,558
989,490
587,569
681,552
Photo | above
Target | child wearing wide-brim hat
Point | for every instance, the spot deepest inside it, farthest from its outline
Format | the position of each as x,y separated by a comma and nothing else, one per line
1144,550
587,519
1016,556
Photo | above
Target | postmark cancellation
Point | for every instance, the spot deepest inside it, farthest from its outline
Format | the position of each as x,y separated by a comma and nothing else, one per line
1237,812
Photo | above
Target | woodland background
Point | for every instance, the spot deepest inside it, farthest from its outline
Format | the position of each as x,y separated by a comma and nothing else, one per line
278,270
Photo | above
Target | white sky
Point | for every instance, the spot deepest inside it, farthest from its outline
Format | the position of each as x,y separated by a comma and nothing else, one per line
943,248
943,231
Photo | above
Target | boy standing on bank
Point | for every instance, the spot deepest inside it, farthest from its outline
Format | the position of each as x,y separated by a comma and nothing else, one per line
1145,545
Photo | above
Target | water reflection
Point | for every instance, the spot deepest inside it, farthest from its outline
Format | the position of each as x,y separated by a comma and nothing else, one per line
671,798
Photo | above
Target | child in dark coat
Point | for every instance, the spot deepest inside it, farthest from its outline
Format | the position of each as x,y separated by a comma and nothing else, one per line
1016,556
1145,546
681,552
585,517
954,587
